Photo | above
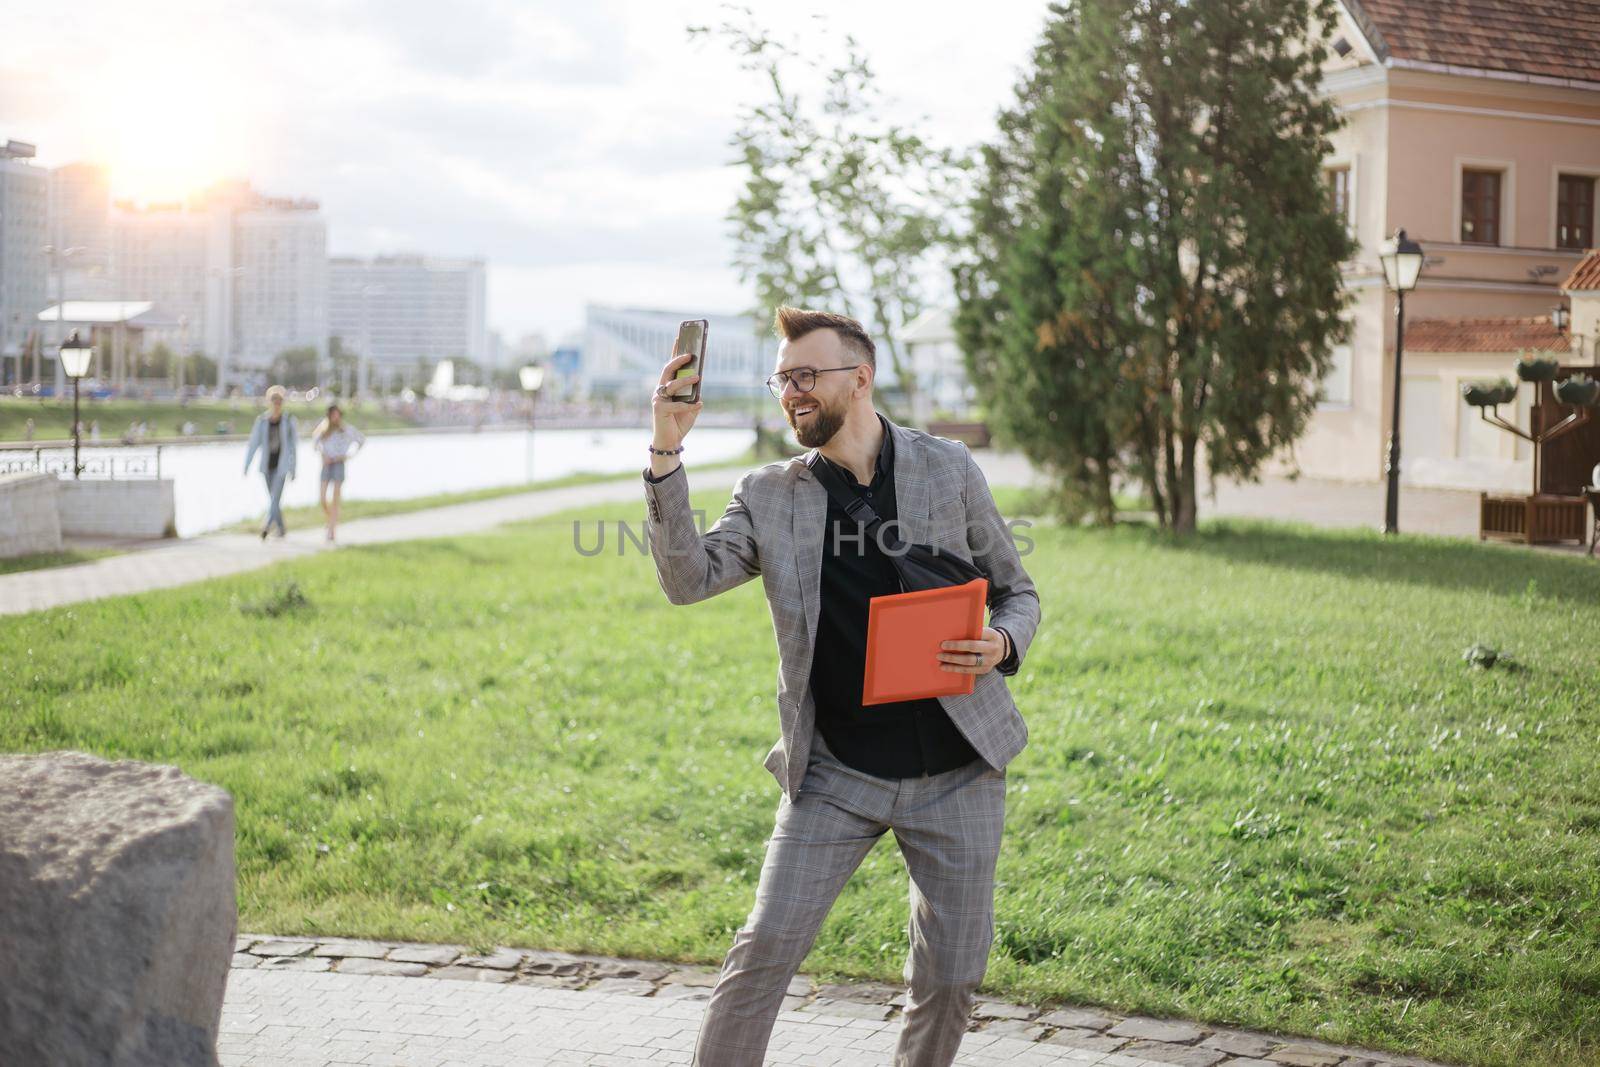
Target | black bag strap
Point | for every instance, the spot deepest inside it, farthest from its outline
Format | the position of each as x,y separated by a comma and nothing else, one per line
919,567
851,503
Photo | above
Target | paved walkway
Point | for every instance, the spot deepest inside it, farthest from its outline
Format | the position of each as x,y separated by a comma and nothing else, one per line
303,1003
196,559
1323,502
163,564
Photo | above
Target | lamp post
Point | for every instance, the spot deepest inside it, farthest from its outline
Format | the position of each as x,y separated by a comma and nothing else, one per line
532,377
75,356
1402,262
1561,319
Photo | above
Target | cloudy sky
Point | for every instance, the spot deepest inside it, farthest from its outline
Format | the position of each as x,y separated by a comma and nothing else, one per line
580,146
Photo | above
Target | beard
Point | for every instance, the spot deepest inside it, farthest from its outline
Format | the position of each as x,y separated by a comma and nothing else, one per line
818,428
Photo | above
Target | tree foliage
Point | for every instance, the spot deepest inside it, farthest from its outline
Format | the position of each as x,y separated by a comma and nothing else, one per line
1153,262
841,208
296,368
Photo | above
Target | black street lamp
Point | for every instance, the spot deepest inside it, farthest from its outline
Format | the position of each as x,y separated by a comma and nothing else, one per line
75,356
1561,319
1402,262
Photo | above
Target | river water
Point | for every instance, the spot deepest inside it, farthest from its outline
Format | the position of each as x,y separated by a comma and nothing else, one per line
211,489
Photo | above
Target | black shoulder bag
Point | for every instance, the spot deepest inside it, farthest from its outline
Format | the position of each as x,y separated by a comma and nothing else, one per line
919,566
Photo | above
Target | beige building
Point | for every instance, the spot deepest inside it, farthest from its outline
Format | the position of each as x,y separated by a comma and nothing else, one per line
1475,126
929,347
245,274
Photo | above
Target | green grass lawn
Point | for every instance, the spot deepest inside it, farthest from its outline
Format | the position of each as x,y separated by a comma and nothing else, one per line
1263,787
52,417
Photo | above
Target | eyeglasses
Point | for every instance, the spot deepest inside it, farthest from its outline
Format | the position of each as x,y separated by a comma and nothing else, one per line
804,379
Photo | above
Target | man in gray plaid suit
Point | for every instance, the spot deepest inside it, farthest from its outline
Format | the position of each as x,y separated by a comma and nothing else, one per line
933,771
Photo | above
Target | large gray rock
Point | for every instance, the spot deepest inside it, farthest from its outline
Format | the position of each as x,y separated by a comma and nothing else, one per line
117,912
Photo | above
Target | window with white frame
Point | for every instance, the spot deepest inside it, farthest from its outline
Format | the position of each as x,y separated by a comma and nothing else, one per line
1337,383
1340,191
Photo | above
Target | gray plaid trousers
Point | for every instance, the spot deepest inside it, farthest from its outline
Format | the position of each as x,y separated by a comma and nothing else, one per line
948,827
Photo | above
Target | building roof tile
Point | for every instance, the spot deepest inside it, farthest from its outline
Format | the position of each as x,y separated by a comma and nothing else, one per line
1586,275
1484,335
1545,38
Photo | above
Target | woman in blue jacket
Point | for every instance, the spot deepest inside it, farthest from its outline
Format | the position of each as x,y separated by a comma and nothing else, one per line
274,434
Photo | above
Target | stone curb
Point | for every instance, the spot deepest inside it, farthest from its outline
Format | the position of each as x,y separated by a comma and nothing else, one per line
1175,1041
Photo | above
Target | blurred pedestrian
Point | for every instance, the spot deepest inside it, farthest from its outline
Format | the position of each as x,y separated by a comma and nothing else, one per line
337,441
274,434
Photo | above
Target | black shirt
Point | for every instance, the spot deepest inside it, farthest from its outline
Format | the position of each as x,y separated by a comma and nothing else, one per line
274,442
903,739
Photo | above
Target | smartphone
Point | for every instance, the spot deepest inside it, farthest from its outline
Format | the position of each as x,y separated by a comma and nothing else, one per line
691,339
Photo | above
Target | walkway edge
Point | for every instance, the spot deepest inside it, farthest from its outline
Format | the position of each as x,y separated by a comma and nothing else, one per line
1090,1030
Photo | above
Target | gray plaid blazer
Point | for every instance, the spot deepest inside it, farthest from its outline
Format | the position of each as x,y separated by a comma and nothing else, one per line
774,527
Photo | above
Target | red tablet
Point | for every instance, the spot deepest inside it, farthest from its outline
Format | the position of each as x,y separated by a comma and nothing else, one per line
904,632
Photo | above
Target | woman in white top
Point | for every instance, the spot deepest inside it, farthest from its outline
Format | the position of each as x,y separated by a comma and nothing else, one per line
337,442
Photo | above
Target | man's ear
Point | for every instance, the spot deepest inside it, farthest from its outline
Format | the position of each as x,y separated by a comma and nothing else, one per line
871,373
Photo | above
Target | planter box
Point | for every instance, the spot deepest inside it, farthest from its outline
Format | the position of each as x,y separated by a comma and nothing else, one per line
1533,520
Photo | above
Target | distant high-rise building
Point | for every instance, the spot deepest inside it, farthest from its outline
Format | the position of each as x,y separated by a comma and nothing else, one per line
281,290
24,232
80,224
624,349
159,254
245,273
397,310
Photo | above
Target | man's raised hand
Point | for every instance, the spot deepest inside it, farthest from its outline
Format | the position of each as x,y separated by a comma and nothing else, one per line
672,418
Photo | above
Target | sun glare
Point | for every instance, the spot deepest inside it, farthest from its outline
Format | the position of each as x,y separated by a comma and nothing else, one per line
170,129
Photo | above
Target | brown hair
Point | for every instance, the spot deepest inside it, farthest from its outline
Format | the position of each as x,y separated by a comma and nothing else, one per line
794,323
326,425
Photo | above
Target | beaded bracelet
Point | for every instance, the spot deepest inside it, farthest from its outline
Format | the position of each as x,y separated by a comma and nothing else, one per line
665,451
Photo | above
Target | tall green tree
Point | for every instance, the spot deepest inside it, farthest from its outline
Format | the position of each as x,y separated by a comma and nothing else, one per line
1047,275
841,208
1153,266
295,368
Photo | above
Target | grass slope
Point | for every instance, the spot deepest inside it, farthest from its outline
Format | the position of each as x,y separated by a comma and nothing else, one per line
1263,787
52,417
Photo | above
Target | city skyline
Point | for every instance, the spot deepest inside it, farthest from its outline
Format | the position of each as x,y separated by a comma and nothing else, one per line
561,147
